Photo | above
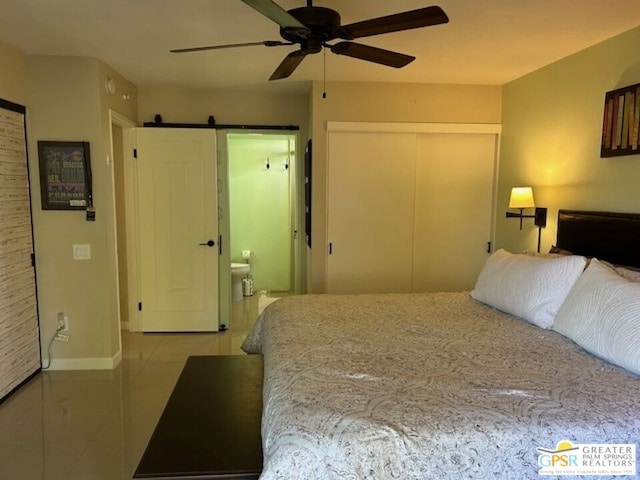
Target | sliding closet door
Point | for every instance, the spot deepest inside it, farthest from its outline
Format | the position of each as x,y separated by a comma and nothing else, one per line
370,206
454,193
19,333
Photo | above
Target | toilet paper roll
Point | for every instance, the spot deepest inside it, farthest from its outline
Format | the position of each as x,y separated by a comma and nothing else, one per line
246,254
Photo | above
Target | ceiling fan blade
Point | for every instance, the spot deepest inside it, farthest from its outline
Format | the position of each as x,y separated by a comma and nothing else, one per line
372,54
423,17
275,12
266,43
288,65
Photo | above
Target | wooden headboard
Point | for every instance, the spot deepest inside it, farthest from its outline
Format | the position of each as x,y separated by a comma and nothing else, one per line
610,236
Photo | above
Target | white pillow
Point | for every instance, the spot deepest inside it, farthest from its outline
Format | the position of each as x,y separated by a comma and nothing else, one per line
633,275
602,315
532,288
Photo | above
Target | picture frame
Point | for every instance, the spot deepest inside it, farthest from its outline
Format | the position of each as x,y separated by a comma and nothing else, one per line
621,122
307,193
65,175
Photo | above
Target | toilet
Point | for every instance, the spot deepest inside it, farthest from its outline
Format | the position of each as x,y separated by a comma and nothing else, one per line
238,272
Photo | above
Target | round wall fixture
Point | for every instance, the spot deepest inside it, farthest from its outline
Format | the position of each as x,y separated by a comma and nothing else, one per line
110,86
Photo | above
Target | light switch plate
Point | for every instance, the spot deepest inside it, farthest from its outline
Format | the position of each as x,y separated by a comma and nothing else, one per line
82,252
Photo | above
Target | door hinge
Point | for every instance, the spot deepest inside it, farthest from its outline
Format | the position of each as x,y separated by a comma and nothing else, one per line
33,259
488,247
135,153
330,248
139,306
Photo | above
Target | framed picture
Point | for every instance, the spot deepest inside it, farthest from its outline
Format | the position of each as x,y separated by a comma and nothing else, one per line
621,122
65,175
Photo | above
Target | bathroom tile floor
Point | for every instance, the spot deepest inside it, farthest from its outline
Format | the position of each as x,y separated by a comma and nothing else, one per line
95,424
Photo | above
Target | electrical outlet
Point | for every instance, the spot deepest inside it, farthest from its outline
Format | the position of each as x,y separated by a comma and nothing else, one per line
62,337
63,322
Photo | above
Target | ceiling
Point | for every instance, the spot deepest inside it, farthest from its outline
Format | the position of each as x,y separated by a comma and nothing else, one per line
485,42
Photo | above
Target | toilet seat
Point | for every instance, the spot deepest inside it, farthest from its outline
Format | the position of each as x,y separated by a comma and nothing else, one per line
240,268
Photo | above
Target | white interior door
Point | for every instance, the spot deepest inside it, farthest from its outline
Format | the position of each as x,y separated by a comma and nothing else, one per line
177,191
454,194
370,222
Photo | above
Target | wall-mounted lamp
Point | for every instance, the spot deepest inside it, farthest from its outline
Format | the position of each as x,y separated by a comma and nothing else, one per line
521,198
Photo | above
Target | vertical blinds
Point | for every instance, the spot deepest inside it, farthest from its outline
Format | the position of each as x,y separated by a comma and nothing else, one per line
19,331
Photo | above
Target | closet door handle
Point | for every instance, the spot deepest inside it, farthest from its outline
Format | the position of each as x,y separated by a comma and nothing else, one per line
210,243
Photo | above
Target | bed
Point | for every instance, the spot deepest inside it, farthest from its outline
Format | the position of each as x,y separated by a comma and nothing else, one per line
442,385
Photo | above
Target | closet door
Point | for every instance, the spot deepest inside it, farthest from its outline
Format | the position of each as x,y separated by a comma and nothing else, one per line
370,212
453,209
19,330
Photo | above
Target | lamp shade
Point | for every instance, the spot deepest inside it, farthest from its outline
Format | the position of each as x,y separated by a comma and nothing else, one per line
521,197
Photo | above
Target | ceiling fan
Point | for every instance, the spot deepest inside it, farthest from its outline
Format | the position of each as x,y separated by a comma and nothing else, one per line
313,27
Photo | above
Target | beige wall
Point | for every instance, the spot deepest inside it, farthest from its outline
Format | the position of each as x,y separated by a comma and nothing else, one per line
13,75
68,101
381,102
228,106
552,127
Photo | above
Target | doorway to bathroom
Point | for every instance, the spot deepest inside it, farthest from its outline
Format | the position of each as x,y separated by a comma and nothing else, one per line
262,221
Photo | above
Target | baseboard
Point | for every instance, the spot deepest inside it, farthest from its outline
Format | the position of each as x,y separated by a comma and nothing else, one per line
85,363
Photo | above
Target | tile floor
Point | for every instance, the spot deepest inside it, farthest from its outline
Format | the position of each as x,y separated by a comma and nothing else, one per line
95,424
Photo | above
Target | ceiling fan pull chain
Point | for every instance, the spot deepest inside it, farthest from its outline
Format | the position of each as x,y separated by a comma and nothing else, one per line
324,73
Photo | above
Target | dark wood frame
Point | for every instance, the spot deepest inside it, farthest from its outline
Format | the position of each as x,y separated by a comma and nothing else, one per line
307,193
621,122
74,195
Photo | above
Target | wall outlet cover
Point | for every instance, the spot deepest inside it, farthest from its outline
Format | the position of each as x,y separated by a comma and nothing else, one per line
81,252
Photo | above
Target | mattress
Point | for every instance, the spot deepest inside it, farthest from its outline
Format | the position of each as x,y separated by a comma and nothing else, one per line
434,385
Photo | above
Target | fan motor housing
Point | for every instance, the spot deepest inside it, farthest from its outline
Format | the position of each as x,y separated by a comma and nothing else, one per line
324,24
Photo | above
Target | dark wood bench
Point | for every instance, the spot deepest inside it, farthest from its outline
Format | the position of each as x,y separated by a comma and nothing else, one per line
210,428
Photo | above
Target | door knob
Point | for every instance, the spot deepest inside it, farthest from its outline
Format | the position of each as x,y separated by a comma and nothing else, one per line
210,243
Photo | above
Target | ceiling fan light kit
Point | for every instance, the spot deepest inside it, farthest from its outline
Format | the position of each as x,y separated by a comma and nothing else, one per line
313,27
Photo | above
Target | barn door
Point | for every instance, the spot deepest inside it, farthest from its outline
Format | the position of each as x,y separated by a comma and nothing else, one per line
177,192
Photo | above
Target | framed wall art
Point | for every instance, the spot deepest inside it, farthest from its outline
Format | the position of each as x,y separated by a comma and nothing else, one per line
65,175
621,122
307,193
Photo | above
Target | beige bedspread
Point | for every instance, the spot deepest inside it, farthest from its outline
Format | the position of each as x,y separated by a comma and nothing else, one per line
418,386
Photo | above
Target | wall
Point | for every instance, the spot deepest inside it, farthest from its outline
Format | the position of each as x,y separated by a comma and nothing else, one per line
552,128
67,101
380,102
228,106
13,75
260,208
